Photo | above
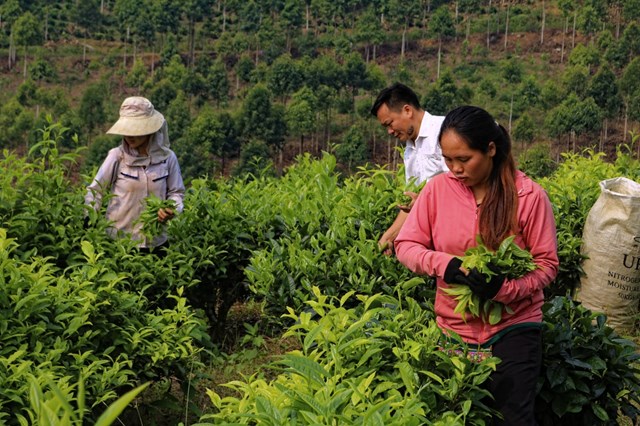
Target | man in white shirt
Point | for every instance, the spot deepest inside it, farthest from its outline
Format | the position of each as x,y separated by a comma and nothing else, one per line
398,109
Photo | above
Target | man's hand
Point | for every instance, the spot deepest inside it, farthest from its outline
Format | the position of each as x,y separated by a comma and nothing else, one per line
407,208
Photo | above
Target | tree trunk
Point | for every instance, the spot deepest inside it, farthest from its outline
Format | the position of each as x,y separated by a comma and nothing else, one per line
192,42
626,122
373,143
606,131
564,33
489,25
573,36
618,21
506,26
395,154
24,68
455,21
544,17
510,112
404,34
439,57
12,52
224,17
301,144
46,24
153,58
124,54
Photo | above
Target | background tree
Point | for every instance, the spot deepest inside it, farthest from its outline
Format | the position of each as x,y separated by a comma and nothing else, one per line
441,26
355,75
226,143
443,95
260,119
511,70
630,89
300,114
524,130
292,18
402,14
369,32
16,122
26,32
284,77
195,151
603,88
178,117
86,15
352,151
217,82
92,110
137,75
575,117
254,160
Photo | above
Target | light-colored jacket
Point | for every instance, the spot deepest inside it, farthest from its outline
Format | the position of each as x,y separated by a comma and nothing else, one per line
132,178
443,223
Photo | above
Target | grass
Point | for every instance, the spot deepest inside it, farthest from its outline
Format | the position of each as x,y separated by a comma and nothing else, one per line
247,350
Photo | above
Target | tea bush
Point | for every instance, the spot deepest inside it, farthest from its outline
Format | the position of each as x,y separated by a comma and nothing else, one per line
377,363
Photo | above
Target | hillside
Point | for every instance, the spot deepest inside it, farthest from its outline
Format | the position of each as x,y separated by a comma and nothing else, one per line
208,67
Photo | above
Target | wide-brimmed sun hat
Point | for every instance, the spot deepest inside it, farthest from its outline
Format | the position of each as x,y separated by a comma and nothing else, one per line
138,117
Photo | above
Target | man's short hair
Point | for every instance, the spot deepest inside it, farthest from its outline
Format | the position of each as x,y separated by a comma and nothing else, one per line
395,97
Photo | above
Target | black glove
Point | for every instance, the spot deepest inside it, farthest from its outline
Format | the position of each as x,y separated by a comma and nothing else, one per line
453,274
482,285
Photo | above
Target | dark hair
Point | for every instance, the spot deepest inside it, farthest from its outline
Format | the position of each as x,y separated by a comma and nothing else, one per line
498,212
395,96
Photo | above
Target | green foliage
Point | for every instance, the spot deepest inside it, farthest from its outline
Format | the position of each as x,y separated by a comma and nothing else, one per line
353,150
137,75
573,189
590,374
255,160
509,259
382,361
151,226
92,111
444,95
333,245
574,115
536,161
76,304
524,129
53,408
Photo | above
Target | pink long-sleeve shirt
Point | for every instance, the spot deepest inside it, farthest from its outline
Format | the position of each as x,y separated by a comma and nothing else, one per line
443,223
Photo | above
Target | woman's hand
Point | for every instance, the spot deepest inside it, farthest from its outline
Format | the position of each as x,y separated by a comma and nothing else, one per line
165,214
483,285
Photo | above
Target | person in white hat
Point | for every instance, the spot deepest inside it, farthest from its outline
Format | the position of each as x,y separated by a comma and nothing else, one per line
141,166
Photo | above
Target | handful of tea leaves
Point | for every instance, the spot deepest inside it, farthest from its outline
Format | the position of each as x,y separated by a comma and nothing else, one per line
151,226
509,260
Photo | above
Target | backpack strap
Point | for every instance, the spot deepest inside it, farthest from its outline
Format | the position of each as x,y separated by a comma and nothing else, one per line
115,171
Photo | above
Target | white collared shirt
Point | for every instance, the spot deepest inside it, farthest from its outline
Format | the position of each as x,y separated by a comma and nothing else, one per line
423,157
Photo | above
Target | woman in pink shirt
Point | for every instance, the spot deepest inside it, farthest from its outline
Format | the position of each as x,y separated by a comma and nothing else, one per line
483,193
